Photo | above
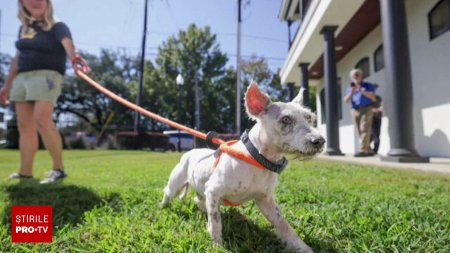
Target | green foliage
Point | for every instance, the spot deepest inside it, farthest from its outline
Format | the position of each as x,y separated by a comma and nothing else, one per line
4,67
195,54
115,71
4,70
12,133
257,69
312,98
110,203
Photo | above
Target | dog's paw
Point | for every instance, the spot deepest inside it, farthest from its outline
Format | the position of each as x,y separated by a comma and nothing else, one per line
305,249
299,247
165,201
218,242
200,203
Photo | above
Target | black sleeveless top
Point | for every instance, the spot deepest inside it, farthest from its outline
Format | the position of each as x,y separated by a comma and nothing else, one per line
43,50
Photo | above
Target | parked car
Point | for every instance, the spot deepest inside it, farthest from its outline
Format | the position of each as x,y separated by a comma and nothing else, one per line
143,140
186,139
81,140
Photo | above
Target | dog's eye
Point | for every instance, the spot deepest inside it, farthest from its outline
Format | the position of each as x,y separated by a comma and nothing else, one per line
310,118
286,120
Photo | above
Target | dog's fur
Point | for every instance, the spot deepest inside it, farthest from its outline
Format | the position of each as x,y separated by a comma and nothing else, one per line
281,128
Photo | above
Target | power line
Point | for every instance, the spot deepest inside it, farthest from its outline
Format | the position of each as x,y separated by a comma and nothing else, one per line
169,34
111,46
256,56
254,37
233,34
8,35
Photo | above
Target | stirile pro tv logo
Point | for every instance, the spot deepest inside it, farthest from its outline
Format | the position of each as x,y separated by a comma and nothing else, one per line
31,224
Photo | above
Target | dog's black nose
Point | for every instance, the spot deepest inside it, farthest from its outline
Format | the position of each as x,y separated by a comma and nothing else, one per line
318,142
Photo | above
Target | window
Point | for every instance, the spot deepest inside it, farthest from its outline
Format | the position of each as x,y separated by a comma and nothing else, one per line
439,19
364,65
378,58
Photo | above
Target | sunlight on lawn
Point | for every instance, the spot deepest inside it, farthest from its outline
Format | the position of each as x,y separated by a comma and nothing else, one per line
110,202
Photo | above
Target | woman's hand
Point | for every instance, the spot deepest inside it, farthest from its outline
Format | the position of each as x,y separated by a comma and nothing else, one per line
79,63
4,96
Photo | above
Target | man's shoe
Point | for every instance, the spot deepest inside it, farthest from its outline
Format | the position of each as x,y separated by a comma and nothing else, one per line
54,175
360,154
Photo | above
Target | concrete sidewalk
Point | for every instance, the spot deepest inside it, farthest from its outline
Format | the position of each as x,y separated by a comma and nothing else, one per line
441,165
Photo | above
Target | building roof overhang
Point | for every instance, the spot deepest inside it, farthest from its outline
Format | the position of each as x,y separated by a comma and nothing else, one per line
354,18
288,10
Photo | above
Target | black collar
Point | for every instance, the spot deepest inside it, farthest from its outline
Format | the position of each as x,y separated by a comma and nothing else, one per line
275,167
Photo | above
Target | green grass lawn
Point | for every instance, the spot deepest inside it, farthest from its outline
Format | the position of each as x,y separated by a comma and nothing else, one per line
110,203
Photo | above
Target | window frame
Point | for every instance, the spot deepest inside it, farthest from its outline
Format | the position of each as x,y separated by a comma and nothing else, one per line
375,53
322,98
431,35
364,60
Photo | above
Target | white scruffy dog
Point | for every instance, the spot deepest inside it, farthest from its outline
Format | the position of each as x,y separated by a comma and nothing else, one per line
281,128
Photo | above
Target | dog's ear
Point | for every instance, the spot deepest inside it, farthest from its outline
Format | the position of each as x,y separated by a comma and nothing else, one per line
299,97
256,102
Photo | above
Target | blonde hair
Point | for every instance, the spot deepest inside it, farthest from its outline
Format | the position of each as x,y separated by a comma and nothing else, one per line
26,19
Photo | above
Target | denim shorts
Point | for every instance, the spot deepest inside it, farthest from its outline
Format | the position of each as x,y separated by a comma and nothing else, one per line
37,85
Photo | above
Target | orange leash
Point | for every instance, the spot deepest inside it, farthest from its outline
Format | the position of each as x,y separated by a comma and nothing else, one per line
142,110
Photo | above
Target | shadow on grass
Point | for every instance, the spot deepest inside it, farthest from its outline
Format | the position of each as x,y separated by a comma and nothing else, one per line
240,234
69,202
243,235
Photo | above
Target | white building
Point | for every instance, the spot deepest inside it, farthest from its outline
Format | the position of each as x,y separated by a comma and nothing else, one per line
403,45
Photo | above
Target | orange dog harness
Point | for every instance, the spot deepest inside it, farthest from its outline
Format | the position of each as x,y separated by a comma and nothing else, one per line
225,147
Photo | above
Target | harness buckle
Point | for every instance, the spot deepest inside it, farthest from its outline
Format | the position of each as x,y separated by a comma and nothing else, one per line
209,140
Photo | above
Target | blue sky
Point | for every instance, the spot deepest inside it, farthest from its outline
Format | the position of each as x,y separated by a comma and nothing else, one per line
117,24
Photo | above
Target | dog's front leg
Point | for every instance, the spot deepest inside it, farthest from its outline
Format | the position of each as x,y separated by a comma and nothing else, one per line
287,234
214,219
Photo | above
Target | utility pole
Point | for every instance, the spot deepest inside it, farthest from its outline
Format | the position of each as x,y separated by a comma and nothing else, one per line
141,76
0,28
197,102
238,71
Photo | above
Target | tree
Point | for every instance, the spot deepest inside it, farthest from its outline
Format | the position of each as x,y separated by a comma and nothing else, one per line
11,134
195,54
256,69
4,67
115,71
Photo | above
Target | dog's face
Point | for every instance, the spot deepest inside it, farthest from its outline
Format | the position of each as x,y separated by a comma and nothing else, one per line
287,126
